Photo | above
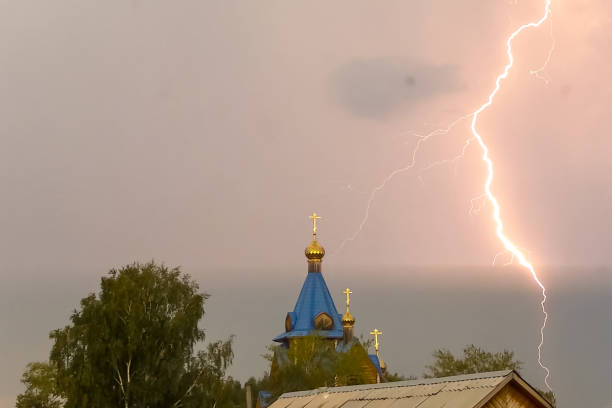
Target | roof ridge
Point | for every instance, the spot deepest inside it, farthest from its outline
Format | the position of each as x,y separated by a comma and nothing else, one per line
409,383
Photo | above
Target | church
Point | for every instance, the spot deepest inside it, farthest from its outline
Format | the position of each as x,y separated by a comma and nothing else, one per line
315,313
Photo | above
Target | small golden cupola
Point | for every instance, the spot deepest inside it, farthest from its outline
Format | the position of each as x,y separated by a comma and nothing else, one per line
348,321
314,252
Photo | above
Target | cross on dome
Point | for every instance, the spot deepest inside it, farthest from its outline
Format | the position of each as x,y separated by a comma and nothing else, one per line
347,292
376,333
314,217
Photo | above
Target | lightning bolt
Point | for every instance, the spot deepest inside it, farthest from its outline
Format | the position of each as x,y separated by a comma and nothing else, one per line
510,247
420,140
538,72
508,244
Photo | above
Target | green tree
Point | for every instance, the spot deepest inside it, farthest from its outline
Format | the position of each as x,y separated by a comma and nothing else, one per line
475,360
309,363
133,345
207,375
312,362
41,391
393,377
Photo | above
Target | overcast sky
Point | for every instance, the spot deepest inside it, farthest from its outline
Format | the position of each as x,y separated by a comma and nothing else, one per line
202,134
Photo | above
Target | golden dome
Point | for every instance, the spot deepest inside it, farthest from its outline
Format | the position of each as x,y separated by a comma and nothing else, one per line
314,252
348,319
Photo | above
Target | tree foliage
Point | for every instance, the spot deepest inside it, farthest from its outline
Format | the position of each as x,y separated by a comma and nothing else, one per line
133,345
312,362
207,375
474,360
394,377
41,391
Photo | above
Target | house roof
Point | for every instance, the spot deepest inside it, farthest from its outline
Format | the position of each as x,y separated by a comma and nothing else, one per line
464,391
314,299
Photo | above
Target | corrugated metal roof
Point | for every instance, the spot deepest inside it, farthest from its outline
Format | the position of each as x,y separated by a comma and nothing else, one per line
329,400
335,399
284,403
297,402
477,383
412,402
380,403
463,391
355,404
405,392
356,395
422,381
456,399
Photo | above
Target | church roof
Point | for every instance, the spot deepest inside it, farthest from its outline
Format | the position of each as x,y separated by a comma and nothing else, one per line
313,300
374,359
463,391
264,399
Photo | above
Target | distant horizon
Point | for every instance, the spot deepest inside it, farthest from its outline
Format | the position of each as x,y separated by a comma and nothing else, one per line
260,319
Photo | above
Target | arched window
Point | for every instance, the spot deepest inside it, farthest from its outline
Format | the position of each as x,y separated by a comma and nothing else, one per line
323,321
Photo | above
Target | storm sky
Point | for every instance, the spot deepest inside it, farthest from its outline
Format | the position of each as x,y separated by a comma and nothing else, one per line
203,133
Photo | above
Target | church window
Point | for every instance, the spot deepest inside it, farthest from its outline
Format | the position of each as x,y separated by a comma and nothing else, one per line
323,321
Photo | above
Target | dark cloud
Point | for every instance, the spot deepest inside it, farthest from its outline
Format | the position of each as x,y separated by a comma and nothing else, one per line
376,87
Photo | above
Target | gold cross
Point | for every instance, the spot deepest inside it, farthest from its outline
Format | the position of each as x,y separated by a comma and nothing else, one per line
347,292
376,333
314,217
